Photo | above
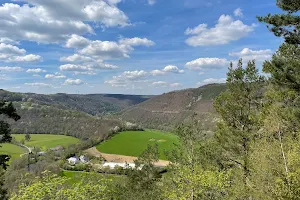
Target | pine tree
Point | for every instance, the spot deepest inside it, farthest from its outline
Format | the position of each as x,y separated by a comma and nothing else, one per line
239,108
285,25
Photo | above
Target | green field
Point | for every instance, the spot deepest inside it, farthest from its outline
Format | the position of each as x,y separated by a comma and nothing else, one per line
12,150
133,143
46,141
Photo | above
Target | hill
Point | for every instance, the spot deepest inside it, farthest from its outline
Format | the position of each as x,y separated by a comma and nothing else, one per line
167,110
46,119
93,104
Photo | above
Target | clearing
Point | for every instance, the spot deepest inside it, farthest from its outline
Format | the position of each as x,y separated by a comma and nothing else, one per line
13,150
46,141
133,143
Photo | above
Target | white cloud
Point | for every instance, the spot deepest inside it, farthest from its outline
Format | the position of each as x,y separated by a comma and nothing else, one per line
247,54
77,41
88,67
175,85
203,64
160,84
238,12
173,69
73,67
76,58
167,69
136,42
151,2
73,82
8,41
126,78
11,69
157,72
27,58
38,84
37,70
55,76
212,80
53,21
225,31
10,53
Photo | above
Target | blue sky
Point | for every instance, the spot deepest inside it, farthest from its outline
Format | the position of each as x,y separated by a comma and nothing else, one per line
128,46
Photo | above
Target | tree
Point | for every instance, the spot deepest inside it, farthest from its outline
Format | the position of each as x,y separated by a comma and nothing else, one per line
142,182
286,25
27,137
192,173
8,110
57,188
239,108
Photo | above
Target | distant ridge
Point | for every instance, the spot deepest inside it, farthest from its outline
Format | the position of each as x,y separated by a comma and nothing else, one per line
167,110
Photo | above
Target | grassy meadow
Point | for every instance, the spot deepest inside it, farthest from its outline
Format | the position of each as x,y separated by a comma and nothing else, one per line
46,141
13,150
133,143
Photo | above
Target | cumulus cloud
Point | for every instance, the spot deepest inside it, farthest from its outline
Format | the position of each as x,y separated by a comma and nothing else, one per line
8,41
203,64
73,82
136,42
37,70
11,69
38,84
175,85
259,55
160,84
126,78
238,12
167,69
55,76
90,55
212,80
10,53
77,41
52,21
225,31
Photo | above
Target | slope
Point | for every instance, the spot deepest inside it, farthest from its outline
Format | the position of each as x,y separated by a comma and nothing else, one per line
167,110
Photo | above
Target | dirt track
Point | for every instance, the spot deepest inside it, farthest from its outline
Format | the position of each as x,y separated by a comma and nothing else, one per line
119,158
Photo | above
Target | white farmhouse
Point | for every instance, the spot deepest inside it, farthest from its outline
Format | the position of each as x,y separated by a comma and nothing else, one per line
113,165
73,160
83,159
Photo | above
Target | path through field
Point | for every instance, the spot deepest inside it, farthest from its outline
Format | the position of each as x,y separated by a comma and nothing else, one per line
119,158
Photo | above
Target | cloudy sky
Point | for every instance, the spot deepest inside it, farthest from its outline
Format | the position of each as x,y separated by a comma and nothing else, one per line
127,46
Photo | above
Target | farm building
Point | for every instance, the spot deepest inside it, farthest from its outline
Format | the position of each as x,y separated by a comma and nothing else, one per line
113,165
73,160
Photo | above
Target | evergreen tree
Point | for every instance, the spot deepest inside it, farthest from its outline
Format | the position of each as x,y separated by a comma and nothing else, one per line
287,24
8,110
239,108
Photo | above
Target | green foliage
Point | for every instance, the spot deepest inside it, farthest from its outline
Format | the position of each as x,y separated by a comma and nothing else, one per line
285,25
46,141
133,143
55,187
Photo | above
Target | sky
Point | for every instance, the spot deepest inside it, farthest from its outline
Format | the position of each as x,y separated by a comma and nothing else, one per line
128,46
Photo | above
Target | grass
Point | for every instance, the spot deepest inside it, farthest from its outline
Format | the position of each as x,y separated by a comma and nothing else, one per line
12,150
133,143
76,177
46,141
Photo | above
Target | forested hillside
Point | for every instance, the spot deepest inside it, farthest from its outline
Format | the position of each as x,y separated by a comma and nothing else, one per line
94,104
167,110
52,120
